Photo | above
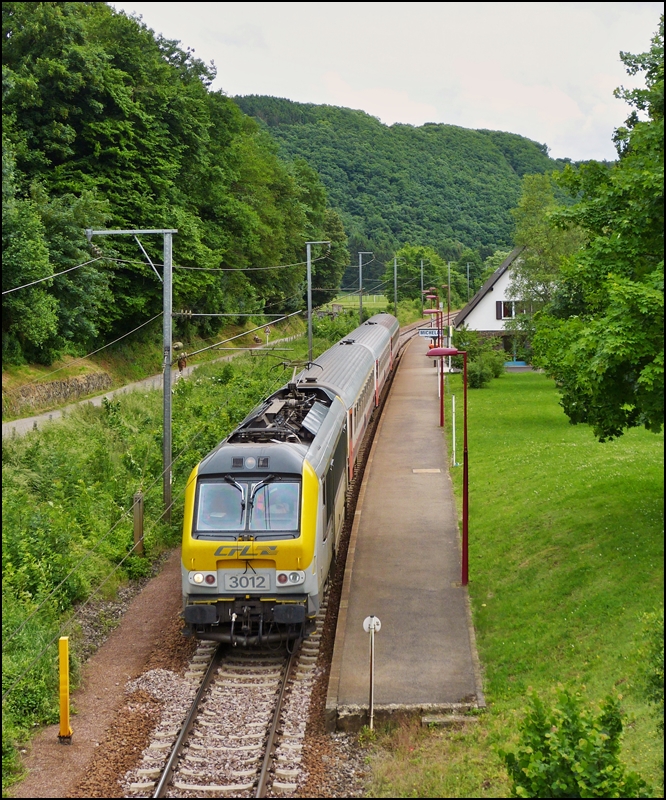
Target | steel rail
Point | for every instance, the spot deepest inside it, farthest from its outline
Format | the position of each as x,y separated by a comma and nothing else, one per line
165,778
272,733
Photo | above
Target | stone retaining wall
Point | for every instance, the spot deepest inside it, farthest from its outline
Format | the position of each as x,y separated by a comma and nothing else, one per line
35,396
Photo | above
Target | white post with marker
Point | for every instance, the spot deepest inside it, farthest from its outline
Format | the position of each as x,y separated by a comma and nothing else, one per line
372,625
454,463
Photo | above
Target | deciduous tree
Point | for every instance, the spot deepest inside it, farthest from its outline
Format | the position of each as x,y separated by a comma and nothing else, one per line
602,335
535,275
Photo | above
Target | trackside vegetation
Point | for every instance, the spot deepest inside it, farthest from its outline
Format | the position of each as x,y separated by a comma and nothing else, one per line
67,530
133,358
566,585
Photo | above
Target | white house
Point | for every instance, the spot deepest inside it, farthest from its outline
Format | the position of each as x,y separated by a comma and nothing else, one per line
492,305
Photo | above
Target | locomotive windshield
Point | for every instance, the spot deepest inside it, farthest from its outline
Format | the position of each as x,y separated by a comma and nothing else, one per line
266,508
220,507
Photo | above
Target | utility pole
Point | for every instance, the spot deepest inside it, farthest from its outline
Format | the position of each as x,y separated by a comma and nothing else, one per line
166,342
308,245
421,288
360,283
395,284
468,281
448,298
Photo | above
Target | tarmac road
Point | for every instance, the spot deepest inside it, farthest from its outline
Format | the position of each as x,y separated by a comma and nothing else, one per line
20,427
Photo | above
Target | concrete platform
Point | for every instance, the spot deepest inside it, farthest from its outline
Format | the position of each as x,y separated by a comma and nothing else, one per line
404,567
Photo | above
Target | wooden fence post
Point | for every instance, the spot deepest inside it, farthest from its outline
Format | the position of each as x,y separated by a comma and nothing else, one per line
138,523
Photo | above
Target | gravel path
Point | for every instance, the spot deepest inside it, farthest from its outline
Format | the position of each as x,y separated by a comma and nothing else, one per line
19,427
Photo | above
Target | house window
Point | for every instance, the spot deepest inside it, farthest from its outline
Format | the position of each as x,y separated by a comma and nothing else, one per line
509,309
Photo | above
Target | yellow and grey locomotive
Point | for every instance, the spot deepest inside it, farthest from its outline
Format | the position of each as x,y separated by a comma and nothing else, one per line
265,509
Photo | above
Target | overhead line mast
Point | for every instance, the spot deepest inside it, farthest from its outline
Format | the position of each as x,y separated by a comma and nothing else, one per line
167,301
308,245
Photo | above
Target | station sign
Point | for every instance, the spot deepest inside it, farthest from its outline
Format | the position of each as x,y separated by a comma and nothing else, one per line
430,333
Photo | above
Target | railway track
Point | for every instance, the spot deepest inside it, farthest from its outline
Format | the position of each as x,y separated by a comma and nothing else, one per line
243,733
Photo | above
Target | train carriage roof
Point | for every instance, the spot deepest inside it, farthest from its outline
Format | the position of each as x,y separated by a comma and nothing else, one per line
305,411
373,336
344,369
387,321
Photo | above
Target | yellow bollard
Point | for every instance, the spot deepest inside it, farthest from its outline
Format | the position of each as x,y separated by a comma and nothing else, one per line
65,735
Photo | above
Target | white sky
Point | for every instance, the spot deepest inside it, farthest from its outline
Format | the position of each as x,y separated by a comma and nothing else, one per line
544,70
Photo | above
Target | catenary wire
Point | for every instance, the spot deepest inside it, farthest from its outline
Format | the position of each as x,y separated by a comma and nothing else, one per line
174,266
55,275
213,269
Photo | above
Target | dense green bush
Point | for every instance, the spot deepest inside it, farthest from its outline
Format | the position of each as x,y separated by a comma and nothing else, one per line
495,360
484,360
332,328
570,751
479,374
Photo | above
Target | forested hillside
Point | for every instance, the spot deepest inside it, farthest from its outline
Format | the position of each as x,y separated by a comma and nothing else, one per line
437,185
106,125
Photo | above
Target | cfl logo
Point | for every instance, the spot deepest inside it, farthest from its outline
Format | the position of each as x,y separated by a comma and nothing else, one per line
247,550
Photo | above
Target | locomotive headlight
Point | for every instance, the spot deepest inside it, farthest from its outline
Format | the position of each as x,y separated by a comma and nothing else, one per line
296,577
201,578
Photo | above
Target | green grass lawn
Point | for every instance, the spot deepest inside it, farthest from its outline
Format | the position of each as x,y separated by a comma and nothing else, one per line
408,310
374,303
566,554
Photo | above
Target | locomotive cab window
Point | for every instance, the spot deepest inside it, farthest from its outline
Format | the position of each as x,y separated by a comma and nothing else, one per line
220,507
274,507
266,508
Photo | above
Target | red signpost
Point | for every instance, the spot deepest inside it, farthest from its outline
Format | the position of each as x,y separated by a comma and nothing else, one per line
442,353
